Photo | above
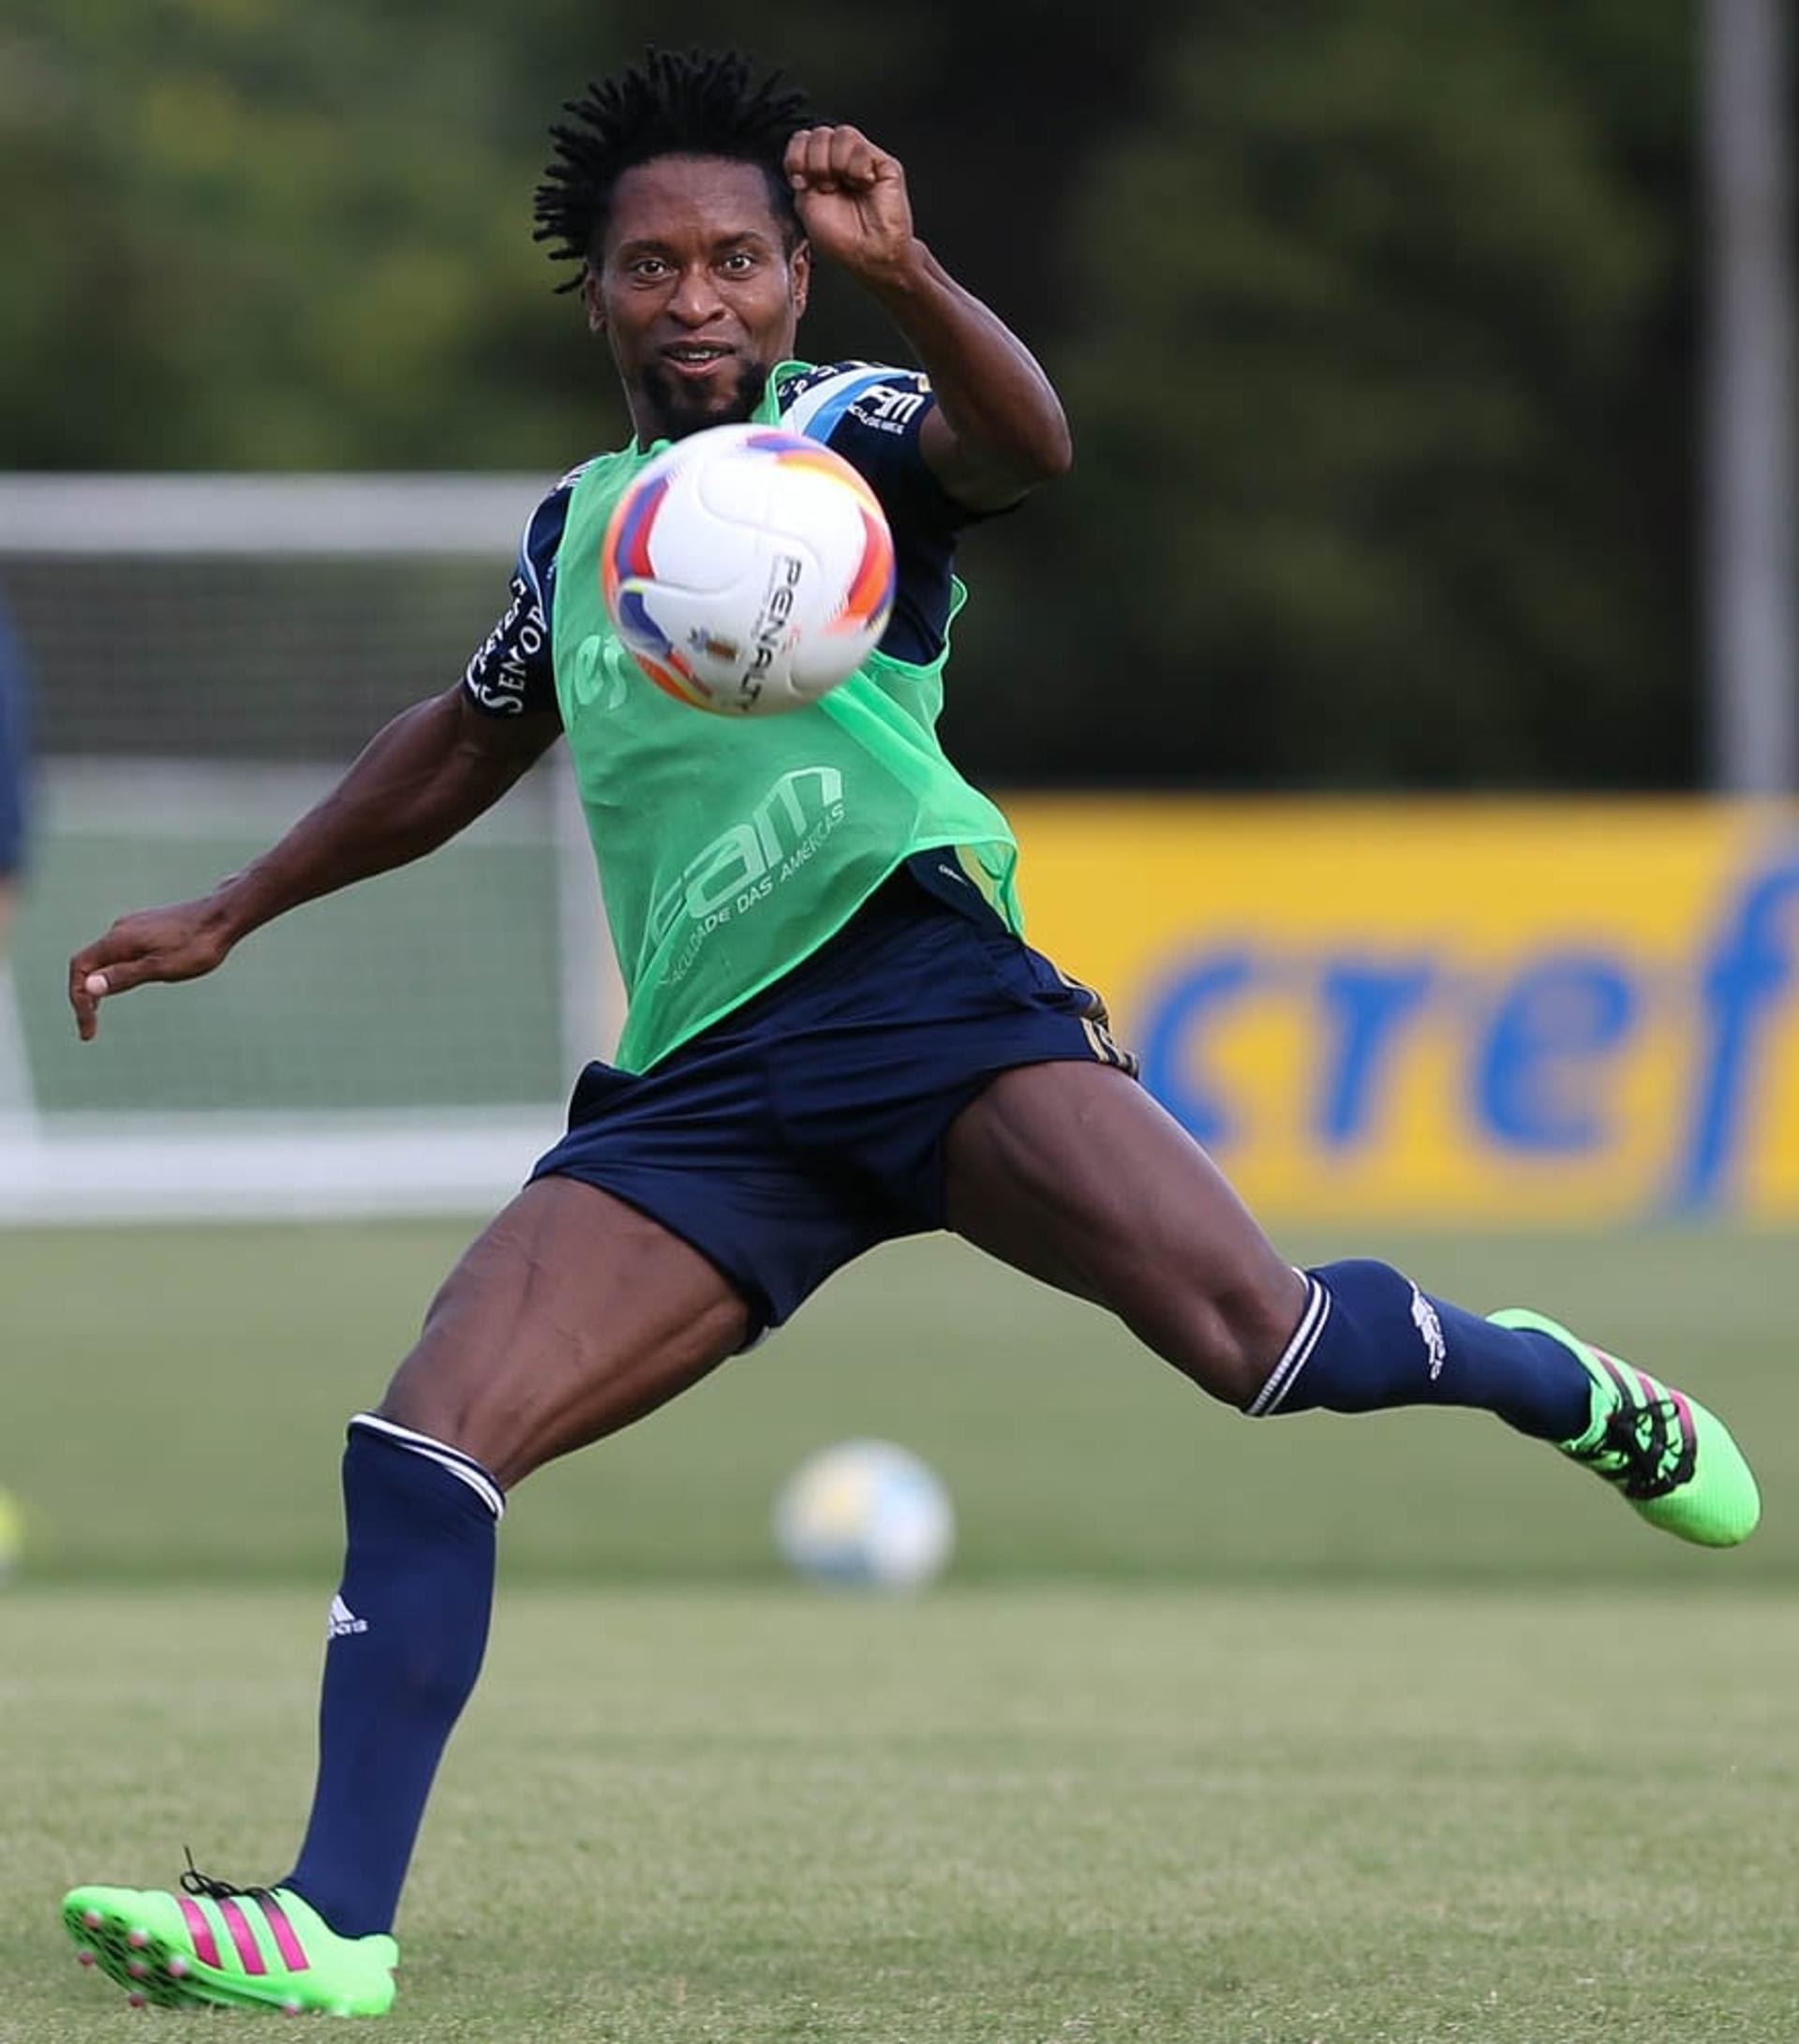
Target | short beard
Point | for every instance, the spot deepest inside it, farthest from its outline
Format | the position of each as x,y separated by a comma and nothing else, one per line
676,410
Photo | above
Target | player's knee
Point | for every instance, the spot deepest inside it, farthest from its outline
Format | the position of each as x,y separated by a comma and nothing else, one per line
456,1386
447,1421
1229,1342
444,1394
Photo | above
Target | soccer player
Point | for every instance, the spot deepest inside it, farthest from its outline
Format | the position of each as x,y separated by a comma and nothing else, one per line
864,1048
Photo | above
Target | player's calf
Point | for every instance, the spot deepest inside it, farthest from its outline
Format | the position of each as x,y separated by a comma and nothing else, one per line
1368,1339
406,1632
1357,1336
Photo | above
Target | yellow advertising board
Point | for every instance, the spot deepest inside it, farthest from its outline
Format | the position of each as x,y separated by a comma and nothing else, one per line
1448,1012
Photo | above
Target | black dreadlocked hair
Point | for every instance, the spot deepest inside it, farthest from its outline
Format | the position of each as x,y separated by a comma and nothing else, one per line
691,103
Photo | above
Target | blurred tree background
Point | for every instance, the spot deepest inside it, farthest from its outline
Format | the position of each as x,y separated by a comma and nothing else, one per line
1376,322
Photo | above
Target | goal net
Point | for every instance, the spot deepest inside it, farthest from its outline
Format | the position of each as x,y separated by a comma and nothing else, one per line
207,654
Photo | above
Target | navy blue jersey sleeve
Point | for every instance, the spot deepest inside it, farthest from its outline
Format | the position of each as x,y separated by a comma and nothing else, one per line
871,415
511,673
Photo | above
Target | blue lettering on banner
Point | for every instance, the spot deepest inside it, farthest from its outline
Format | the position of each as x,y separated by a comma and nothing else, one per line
1534,1074
1176,1024
1367,1003
1538,1042
1749,971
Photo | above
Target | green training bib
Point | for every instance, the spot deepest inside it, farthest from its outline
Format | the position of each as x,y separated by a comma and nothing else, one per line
731,848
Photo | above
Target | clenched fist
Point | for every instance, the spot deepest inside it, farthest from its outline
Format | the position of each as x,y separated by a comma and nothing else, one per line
851,199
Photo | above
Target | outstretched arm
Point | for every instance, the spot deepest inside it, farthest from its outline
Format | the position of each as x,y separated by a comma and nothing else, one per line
998,428
426,776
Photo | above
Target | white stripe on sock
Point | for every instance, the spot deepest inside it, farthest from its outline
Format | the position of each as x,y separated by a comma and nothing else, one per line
1297,1352
453,1459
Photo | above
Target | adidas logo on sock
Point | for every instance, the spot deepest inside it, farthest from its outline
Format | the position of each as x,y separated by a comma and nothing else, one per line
342,1620
1430,1331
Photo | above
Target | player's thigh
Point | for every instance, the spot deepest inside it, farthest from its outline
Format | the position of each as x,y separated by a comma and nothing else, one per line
1073,1173
571,1316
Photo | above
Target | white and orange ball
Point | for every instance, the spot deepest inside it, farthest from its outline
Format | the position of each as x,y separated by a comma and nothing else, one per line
749,570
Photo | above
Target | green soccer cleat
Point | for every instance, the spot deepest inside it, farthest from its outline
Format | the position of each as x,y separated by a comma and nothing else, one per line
228,1947
1672,1459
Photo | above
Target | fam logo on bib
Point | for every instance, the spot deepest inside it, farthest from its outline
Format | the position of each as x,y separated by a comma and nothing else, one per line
748,861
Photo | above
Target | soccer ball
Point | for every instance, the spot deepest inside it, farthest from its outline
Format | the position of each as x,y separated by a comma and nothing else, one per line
865,1515
749,570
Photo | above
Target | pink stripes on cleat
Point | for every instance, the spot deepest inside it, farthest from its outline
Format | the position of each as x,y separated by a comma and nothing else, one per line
238,1924
206,1944
249,1954
293,1954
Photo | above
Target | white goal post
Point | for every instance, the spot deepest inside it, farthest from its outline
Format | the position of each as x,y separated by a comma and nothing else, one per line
207,654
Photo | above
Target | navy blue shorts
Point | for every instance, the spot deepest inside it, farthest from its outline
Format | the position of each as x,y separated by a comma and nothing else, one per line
809,1125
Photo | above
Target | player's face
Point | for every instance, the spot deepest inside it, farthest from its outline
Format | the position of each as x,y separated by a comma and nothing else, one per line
696,290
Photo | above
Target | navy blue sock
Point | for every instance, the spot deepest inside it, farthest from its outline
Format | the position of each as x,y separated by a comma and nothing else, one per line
409,1626
1369,1340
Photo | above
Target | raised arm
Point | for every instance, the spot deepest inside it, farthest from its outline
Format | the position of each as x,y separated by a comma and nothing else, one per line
422,778
998,428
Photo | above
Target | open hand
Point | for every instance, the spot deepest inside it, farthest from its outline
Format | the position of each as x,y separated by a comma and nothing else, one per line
851,197
182,942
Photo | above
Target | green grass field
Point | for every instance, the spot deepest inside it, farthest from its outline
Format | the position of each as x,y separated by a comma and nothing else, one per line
1308,1733
1002,1815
